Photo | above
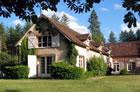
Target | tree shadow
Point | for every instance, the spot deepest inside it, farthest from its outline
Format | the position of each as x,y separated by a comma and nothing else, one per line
12,90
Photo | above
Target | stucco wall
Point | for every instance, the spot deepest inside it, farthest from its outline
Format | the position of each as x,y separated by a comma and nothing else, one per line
87,54
59,52
123,61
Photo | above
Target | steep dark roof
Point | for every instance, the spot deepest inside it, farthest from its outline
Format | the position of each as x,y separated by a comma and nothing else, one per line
125,49
70,34
83,37
74,36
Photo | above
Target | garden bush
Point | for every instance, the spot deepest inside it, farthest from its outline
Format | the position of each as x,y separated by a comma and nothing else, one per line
62,70
16,72
97,65
123,72
7,60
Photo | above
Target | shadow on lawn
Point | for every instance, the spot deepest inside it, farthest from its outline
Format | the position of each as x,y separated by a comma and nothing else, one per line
12,90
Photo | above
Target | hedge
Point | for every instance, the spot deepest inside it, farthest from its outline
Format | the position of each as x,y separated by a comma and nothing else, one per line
16,72
123,72
62,70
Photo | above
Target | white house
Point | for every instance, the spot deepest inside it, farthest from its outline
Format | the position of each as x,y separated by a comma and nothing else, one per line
52,45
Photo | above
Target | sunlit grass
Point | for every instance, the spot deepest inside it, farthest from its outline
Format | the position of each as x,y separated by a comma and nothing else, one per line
107,84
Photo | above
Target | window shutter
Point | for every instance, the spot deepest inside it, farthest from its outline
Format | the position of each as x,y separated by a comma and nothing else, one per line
32,62
32,41
56,40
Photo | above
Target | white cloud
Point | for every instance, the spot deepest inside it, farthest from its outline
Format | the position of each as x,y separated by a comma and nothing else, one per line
17,21
118,7
124,27
73,24
104,9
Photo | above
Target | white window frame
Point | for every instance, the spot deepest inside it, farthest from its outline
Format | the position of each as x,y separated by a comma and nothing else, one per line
116,64
81,61
41,42
45,64
130,65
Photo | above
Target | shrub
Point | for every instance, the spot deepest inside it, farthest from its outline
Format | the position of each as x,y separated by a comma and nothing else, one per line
16,72
62,70
7,60
123,72
97,66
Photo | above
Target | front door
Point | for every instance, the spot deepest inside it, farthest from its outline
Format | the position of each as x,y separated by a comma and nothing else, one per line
45,67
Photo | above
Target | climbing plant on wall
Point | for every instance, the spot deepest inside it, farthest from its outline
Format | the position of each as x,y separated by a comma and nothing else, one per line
72,54
24,52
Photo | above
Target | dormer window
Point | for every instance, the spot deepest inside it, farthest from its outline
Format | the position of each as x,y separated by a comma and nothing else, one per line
45,40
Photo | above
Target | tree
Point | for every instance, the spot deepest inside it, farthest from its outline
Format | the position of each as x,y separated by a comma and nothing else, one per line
26,27
112,38
131,36
123,36
127,36
138,34
64,20
55,17
132,6
13,35
26,8
2,38
94,28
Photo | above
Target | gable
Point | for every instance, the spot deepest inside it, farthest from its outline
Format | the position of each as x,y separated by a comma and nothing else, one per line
68,33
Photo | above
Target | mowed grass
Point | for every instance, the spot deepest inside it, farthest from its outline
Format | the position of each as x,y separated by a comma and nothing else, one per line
107,84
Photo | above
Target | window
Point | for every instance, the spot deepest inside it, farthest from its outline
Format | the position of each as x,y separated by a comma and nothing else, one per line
42,65
116,67
49,61
131,66
45,41
45,64
81,61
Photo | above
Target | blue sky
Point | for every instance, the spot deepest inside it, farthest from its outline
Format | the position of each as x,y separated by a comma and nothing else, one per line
110,14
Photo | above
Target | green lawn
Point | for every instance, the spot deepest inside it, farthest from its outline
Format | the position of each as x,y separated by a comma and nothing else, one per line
107,84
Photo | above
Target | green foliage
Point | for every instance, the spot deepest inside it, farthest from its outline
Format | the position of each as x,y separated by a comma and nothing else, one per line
64,20
127,36
3,46
27,9
88,74
24,51
97,65
55,17
7,60
62,70
72,54
94,28
138,34
112,38
124,72
16,72
13,36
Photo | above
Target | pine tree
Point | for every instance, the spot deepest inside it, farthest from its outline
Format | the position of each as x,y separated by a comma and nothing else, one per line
13,35
94,28
112,38
64,20
127,36
138,34
131,36
55,17
2,38
123,36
